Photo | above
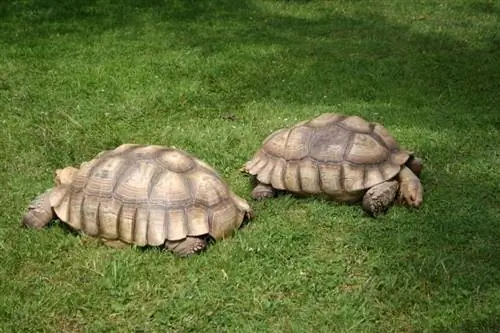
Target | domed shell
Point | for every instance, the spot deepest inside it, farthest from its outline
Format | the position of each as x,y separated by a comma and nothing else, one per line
332,154
145,195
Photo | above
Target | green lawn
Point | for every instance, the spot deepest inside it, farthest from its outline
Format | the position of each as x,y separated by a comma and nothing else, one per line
215,78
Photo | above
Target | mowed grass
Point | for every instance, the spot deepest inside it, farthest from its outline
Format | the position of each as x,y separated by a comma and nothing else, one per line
215,78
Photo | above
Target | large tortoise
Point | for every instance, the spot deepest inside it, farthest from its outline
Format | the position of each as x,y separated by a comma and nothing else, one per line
345,157
143,195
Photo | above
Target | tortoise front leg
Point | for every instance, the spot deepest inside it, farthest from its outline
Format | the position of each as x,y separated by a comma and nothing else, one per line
415,164
186,246
262,191
39,213
379,197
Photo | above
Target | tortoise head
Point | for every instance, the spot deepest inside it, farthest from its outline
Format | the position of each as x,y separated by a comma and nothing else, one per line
39,212
411,189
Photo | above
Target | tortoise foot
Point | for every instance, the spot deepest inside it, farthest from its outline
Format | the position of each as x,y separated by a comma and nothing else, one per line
262,191
187,246
115,243
378,198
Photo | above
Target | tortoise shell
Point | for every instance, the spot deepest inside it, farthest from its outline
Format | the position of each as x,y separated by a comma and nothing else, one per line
333,154
145,195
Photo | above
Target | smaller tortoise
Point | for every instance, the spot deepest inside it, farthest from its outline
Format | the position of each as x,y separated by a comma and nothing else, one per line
344,157
143,195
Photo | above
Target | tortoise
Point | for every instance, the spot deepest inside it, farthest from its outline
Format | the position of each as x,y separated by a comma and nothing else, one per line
346,158
143,195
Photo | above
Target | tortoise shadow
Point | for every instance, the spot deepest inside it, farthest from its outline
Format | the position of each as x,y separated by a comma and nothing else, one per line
435,65
68,230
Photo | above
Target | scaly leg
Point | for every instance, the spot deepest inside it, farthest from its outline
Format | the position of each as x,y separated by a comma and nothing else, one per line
115,243
262,191
379,197
186,246
415,164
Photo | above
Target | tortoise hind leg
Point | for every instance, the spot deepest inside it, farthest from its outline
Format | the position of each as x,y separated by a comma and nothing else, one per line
186,246
262,191
115,243
378,198
39,213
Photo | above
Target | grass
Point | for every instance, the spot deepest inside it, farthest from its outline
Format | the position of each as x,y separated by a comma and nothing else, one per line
215,78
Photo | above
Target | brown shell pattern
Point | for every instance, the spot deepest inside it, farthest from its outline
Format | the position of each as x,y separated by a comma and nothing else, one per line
333,154
148,194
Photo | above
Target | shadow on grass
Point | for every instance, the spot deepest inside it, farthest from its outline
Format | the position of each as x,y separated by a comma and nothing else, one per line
298,60
486,325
